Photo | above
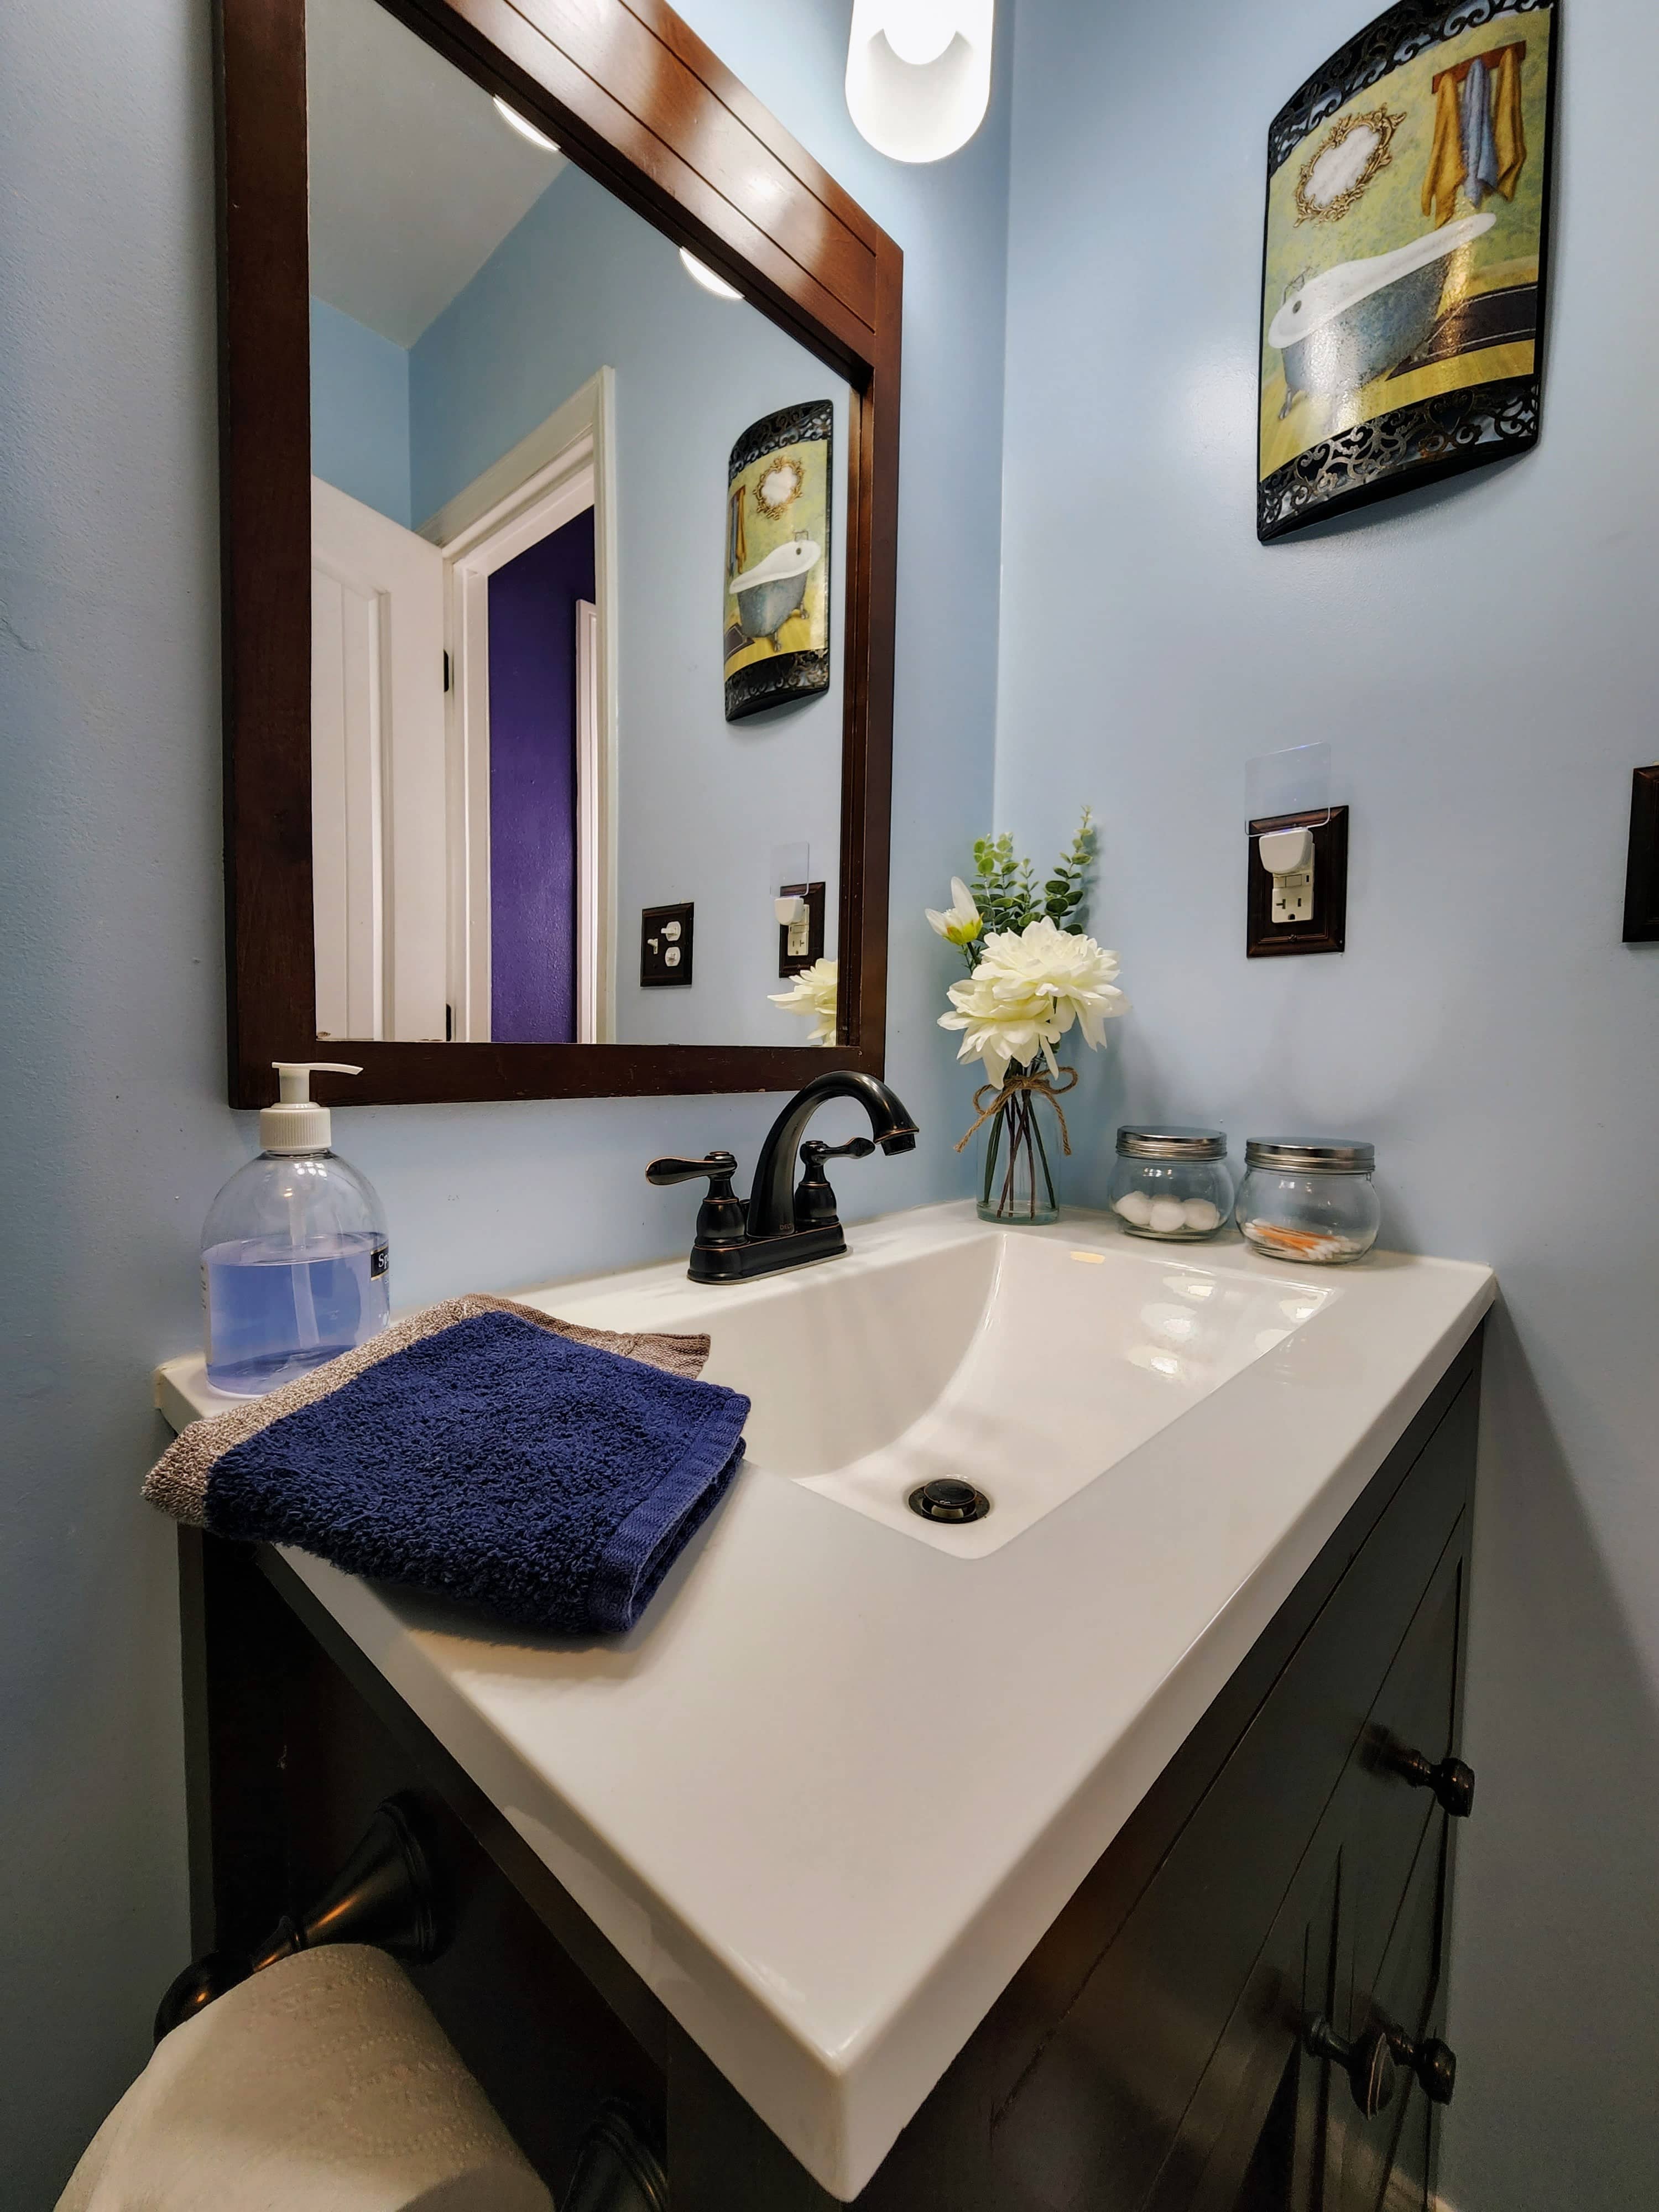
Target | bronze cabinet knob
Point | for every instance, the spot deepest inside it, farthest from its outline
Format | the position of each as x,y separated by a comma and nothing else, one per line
1368,2062
1451,1781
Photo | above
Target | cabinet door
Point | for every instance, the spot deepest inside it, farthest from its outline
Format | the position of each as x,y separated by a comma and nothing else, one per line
1385,2163
1267,2114
1095,2119
1251,2140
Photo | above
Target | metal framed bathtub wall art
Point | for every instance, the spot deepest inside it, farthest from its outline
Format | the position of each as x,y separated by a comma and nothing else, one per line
1404,272
777,560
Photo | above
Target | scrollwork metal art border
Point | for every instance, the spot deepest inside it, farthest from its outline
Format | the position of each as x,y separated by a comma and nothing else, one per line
1442,436
1397,37
1418,444
790,426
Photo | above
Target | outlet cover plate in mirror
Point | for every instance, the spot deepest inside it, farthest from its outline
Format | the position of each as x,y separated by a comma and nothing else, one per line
797,948
665,947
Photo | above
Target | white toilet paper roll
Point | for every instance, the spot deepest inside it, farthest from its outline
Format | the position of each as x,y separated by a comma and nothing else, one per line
323,2085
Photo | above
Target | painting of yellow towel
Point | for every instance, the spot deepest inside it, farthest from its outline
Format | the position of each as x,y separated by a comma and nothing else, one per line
1447,167
1509,121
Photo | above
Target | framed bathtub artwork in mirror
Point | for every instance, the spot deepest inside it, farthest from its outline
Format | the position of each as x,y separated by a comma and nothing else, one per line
1404,271
776,641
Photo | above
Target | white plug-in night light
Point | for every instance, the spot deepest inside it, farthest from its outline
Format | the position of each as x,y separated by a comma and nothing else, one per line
919,74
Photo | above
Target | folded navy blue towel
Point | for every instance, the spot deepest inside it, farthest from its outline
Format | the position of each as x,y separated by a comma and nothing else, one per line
548,1474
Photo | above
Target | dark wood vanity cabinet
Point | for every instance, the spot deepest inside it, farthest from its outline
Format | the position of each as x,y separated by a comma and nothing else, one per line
1239,2010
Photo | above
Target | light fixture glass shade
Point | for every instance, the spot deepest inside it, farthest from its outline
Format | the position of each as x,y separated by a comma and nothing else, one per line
524,128
700,273
919,74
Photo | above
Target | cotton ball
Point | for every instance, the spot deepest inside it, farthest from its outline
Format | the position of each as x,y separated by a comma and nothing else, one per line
1167,1215
1136,1208
1199,1213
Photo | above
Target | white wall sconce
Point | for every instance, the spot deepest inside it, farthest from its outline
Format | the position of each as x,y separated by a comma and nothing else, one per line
919,74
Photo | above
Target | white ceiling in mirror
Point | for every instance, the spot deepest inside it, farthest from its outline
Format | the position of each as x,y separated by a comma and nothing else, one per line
411,192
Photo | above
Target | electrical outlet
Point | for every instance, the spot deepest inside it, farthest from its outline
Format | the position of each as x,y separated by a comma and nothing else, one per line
666,934
1294,896
801,942
1304,909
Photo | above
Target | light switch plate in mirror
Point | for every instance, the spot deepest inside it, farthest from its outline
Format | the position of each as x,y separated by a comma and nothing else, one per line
638,105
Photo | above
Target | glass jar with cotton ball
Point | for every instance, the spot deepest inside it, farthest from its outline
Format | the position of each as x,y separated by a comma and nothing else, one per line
1171,1182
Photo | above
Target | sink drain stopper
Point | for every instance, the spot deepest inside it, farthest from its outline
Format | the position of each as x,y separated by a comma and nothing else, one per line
949,1501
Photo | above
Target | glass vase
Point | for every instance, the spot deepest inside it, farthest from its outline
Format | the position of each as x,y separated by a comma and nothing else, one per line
1018,1157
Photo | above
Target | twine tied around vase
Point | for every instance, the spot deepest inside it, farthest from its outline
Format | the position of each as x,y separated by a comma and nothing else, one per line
1042,1085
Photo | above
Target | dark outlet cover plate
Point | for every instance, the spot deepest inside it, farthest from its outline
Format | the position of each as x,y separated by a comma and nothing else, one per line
1642,874
796,964
1325,929
665,947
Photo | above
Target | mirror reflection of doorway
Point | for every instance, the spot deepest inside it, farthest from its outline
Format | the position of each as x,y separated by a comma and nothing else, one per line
462,752
535,934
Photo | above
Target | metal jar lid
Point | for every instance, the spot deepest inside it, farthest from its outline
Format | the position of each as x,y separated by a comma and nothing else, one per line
1169,1140
1311,1155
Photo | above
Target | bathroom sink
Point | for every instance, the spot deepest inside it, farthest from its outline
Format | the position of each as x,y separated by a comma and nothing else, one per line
1023,1363
832,1791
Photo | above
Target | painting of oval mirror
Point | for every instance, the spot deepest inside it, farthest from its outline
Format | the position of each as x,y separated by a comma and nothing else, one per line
597,626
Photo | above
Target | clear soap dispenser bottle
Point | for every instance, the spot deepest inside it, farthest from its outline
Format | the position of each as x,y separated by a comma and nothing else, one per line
294,1252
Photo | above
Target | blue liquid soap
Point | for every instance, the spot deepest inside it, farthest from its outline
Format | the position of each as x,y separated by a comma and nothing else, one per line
294,1256
273,1315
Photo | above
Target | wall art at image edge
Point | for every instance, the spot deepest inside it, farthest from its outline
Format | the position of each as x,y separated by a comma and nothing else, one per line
1404,268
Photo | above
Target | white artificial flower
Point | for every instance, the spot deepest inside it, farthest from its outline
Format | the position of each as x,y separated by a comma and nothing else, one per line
960,924
1029,987
814,993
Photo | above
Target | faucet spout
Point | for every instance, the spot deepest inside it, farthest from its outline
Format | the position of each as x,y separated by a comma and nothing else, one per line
771,1204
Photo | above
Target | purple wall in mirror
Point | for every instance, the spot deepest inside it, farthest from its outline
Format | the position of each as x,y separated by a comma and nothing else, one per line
532,786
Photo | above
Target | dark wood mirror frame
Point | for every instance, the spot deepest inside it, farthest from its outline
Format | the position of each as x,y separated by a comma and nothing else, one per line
635,98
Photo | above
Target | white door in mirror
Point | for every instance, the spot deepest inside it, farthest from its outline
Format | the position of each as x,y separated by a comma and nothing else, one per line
377,772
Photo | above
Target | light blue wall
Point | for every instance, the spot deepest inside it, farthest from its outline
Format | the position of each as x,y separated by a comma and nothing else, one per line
359,411
111,921
1485,659
111,1021
584,282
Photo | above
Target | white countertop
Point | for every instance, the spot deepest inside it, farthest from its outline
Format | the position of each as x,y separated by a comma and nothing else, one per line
829,1795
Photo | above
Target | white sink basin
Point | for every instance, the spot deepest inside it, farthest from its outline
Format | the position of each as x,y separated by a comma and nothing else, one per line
1023,1363
741,1793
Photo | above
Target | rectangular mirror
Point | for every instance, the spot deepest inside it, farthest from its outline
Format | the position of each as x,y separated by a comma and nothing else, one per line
598,624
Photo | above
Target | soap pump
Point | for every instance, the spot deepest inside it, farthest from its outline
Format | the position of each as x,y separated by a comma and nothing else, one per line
293,1251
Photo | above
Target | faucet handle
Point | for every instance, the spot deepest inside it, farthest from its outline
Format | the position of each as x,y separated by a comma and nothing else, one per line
719,1167
720,1218
815,1201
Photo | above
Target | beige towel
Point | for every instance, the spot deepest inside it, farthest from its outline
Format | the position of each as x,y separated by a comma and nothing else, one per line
321,2085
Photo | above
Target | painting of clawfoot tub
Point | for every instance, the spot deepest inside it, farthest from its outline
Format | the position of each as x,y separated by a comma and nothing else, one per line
1406,236
777,560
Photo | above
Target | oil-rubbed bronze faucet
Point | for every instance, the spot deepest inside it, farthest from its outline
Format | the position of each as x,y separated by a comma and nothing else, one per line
783,1225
